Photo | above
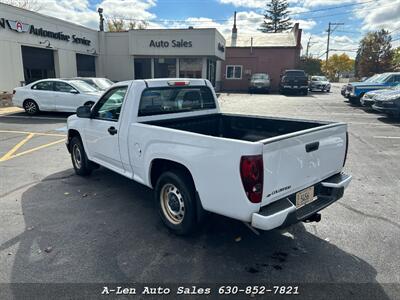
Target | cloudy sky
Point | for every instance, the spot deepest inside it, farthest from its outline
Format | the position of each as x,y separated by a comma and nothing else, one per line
358,16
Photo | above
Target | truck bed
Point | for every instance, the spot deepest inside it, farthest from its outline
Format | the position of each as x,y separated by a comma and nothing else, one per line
238,127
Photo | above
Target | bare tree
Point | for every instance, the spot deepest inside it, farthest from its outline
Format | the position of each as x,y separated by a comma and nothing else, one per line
33,5
138,25
115,24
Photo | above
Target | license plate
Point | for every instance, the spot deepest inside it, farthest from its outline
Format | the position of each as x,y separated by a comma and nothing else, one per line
305,196
295,86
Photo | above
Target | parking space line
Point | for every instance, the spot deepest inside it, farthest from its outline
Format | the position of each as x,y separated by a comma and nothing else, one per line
10,153
39,118
37,148
35,133
387,137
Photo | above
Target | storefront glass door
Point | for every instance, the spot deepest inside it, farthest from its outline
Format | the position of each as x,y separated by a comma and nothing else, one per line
142,68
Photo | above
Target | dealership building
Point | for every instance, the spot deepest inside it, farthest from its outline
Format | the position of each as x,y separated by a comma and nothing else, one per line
34,46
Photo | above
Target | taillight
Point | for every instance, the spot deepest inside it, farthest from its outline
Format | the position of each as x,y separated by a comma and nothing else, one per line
13,92
347,147
252,174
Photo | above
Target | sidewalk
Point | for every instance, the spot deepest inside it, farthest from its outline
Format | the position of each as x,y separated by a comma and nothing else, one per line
9,110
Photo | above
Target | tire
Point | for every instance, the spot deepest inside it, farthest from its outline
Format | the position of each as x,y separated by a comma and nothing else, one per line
82,165
31,107
305,92
175,198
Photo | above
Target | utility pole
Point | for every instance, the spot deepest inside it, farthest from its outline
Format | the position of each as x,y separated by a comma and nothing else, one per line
309,44
329,36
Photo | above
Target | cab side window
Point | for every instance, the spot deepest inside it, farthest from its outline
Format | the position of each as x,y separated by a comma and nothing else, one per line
43,86
109,106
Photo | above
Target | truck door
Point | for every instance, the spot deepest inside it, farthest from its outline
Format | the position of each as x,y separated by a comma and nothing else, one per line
101,133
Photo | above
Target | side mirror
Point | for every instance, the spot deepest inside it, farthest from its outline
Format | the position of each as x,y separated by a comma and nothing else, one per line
74,91
84,112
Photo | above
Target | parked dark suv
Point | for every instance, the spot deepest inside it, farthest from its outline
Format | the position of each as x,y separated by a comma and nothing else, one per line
294,81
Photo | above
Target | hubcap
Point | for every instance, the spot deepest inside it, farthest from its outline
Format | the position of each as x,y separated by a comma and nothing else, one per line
172,203
76,155
30,107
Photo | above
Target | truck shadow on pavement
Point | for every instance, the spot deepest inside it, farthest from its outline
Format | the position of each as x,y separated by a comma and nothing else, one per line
105,228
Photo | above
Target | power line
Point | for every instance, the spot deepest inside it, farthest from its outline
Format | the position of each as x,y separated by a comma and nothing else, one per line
225,20
330,8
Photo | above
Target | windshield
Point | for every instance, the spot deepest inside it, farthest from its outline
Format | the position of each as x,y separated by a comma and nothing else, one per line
103,83
373,78
319,78
82,86
382,78
259,76
294,73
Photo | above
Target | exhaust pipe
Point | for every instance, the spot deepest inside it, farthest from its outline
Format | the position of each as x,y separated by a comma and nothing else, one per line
313,218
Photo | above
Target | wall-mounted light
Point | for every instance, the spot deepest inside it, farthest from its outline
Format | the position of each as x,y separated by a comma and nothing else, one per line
92,51
46,43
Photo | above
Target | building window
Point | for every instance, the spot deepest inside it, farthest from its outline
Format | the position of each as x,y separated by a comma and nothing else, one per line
233,72
164,67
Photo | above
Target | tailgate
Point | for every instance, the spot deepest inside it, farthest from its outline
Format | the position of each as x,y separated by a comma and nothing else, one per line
298,160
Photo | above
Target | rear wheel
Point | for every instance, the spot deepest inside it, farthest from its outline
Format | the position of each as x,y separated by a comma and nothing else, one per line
82,165
176,202
31,107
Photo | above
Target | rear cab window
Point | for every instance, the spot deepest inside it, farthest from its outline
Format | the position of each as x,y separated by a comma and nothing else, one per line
166,100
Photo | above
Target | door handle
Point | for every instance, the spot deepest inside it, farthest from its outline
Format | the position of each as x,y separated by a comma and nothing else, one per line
312,147
112,130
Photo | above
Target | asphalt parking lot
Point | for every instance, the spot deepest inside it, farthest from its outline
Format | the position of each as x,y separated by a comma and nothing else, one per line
58,227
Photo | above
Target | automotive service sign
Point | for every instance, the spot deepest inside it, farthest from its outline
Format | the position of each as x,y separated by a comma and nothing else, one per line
21,27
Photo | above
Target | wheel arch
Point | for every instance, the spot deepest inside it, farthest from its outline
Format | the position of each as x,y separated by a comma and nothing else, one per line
71,134
160,165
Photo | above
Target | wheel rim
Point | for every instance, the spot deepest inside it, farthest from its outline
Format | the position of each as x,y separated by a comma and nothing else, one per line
76,155
30,107
172,203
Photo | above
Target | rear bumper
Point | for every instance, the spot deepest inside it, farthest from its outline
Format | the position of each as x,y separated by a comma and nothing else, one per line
283,213
295,88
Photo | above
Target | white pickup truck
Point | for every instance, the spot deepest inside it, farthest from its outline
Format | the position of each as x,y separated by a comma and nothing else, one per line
170,135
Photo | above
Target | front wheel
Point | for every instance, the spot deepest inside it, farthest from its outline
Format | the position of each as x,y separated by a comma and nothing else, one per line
176,202
82,165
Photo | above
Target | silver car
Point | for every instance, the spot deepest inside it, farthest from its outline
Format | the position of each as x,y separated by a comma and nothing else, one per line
320,83
260,82
369,97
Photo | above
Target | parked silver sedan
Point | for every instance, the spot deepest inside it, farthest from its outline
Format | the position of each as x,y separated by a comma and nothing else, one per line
320,83
259,82
369,98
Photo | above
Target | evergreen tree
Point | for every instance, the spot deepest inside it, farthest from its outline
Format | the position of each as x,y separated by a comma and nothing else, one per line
375,54
276,17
